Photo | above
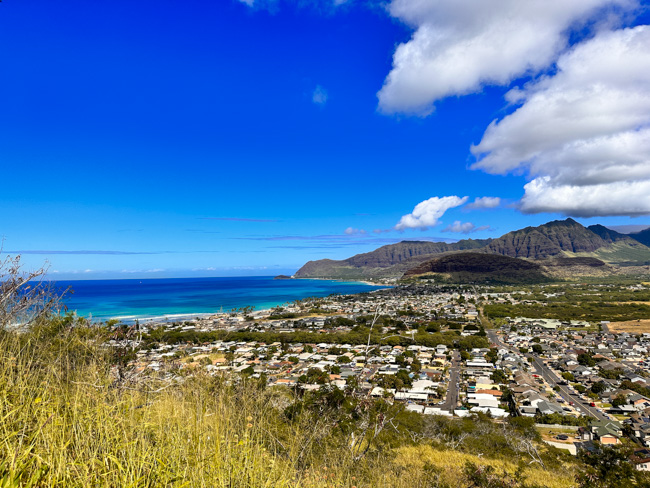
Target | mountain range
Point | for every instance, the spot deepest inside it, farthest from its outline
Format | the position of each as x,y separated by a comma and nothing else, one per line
555,248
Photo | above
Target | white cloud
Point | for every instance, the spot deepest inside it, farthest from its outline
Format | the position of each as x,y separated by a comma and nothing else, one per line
619,198
319,97
460,227
484,202
582,134
248,2
460,45
351,231
427,213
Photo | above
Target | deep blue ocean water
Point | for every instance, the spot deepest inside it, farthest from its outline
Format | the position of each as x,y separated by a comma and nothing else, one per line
177,297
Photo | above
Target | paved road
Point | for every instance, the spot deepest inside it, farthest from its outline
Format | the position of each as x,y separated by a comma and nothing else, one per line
551,378
451,401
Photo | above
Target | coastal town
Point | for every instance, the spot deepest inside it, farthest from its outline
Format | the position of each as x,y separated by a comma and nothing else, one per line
437,350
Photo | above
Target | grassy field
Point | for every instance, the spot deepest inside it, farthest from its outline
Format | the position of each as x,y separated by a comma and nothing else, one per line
446,468
640,326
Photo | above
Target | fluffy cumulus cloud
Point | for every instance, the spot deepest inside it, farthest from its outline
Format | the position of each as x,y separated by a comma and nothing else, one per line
484,202
583,134
427,213
460,45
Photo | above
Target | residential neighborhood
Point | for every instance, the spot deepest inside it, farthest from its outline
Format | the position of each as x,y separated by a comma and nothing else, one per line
433,350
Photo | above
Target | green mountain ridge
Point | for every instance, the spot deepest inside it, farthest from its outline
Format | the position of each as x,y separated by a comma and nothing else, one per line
387,261
556,239
643,236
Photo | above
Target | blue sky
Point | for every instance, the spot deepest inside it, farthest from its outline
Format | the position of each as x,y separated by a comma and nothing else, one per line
230,138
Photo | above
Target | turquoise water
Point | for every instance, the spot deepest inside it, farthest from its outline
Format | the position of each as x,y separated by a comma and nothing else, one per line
178,297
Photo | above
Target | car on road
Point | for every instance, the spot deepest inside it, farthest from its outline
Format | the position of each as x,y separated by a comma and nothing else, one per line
592,404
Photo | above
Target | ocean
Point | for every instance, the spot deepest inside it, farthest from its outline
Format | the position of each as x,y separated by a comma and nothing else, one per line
172,298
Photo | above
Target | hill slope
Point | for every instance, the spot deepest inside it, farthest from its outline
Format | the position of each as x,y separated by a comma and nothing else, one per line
643,237
551,239
559,238
467,267
391,260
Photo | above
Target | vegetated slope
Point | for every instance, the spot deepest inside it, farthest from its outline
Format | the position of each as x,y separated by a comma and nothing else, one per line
478,267
85,426
643,237
546,240
391,260
559,238
571,239
567,268
608,235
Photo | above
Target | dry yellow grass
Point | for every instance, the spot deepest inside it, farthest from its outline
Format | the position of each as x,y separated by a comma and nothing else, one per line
451,463
66,422
634,326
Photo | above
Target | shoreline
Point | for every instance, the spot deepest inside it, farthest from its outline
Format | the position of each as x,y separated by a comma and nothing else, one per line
341,280
159,318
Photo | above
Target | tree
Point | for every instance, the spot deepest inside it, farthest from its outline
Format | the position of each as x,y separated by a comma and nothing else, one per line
585,359
608,467
537,349
568,376
598,387
25,296
620,400
499,376
432,327
492,355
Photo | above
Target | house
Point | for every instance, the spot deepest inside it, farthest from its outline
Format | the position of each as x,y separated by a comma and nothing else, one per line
606,432
641,459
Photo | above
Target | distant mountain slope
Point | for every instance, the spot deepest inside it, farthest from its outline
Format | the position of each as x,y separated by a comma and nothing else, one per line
390,260
559,238
643,237
464,267
608,235
551,239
